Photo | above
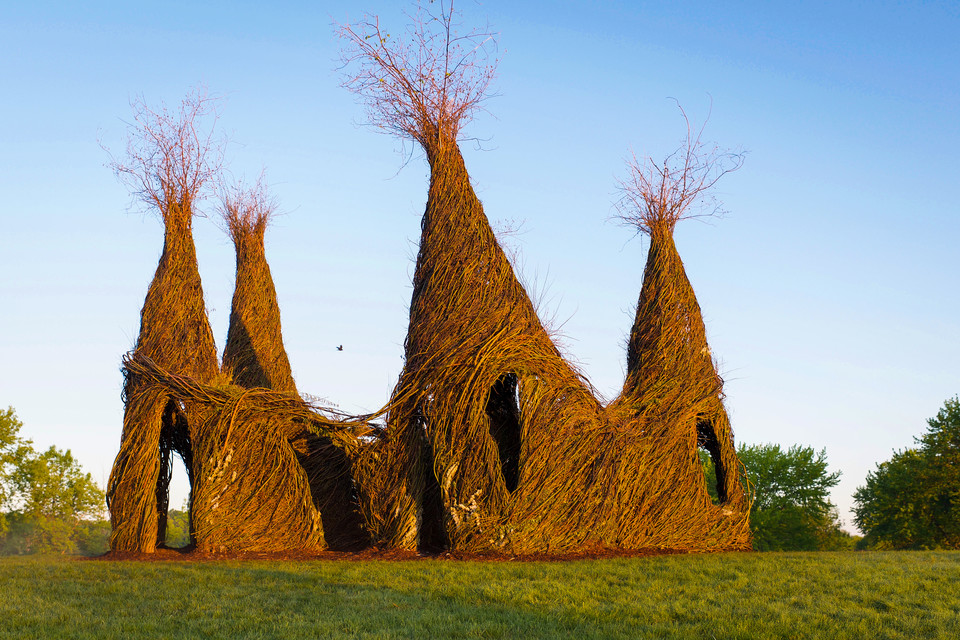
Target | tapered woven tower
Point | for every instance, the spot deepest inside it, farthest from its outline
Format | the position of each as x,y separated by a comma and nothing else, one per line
254,494
266,471
298,473
175,333
169,176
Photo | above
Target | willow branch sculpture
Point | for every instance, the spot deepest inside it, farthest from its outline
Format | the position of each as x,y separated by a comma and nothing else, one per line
491,440
495,441
171,160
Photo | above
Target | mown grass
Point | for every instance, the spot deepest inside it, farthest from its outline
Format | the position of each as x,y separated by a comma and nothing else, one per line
772,595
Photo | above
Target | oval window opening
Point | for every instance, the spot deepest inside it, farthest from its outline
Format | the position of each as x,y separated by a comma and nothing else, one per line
503,411
714,473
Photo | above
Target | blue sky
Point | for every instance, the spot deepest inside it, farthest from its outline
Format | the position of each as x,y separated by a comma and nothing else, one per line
828,290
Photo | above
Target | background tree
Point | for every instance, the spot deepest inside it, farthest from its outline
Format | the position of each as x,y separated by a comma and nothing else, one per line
53,485
12,449
791,510
178,528
912,501
49,504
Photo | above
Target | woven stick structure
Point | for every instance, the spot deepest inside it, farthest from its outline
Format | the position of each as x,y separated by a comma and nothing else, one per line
495,442
171,158
255,357
175,332
254,354
671,376
504,445
482,377
254,493
492,441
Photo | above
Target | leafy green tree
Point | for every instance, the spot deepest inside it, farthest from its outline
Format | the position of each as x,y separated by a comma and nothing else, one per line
178,528
92,537
791,510
54,497
47,503
13,449
912,501
52,485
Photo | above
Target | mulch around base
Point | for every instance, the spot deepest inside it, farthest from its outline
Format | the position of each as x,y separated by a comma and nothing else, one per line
373,554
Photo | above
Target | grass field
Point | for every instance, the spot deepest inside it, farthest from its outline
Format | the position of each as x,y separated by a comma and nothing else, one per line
770,595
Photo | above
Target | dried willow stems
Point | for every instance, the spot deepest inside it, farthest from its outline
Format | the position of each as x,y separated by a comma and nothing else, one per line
171,159
492,441
426,85
497,442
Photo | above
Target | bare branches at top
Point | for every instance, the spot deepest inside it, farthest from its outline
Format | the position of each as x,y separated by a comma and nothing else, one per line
245,209
655,196
171,156
426,84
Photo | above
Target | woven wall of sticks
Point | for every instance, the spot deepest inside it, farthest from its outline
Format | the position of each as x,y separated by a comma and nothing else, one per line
491,441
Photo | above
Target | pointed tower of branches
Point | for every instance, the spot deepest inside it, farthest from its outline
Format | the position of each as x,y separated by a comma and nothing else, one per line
482,380
671,377
255,358
254,355
170,161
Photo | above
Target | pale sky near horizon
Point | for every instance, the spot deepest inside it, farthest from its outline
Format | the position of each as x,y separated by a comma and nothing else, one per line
828,291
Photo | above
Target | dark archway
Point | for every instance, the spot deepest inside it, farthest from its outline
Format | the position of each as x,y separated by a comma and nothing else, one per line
503,411
174,439
433,536
330,476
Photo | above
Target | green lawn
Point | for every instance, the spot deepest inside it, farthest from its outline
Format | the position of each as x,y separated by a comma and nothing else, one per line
770,595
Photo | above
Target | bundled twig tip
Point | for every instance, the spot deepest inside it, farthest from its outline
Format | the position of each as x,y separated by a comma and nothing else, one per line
654,196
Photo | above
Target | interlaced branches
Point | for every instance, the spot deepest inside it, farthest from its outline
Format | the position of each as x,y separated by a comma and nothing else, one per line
246,210
425,86
655,196
171,155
